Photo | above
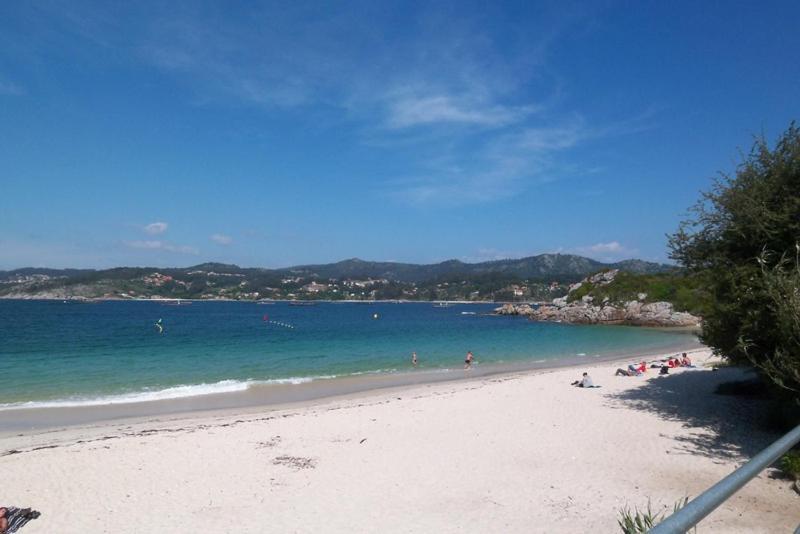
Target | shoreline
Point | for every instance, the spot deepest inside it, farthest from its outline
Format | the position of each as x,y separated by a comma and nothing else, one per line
494,452
274,396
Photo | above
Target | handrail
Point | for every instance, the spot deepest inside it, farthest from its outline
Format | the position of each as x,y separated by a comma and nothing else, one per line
709,500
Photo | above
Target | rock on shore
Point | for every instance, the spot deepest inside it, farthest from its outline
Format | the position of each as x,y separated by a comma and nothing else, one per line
632,313
584,311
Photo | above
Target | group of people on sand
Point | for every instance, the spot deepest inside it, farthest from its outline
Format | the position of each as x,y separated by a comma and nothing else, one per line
634,369
663,365
467,359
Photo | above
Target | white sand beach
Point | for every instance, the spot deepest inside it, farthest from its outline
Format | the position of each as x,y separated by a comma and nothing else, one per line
523,452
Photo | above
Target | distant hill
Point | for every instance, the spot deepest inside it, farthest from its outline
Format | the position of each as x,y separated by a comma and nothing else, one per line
352,279
544,267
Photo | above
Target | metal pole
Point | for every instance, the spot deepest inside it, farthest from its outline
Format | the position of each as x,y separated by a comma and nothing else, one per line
705,503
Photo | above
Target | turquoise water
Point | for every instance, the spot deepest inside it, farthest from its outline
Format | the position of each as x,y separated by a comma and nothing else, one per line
54,353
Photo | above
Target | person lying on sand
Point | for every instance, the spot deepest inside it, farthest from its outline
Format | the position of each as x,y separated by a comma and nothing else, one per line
632,370
12,519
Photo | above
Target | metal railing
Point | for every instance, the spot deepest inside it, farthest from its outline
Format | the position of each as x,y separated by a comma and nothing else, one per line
709,500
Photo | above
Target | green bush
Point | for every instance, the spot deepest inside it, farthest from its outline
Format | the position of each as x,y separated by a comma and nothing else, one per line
790,464
684,291
585,289
742,232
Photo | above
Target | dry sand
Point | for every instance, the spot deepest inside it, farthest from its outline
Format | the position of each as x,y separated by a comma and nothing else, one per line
518,453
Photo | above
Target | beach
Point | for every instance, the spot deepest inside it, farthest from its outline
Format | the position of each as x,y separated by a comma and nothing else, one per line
518,452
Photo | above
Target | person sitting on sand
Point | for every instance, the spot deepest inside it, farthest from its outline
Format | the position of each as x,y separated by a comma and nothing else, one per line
585,382
468,360
686,361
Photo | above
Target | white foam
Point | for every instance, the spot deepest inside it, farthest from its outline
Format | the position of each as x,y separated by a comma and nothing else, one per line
175,392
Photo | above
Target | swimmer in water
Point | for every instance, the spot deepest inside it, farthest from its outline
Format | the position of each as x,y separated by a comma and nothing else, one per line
468,360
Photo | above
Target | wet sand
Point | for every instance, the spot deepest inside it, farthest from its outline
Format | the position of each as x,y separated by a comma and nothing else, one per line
272,396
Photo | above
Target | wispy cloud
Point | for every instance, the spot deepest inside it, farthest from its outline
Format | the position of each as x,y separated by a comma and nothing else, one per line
416,110
10,89
604,248
221,239
156,228
502,167
610,251
162,245
447,80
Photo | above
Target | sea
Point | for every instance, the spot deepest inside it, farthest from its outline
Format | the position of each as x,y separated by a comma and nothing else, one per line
56,354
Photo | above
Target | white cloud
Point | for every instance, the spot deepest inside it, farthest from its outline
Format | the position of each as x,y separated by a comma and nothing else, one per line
156,228
612,246
221,239
408,111
608,252
162,245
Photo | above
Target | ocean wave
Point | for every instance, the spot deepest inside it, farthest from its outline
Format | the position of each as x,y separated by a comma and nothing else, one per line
174,392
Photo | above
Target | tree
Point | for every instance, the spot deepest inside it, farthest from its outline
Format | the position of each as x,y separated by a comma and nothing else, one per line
738,239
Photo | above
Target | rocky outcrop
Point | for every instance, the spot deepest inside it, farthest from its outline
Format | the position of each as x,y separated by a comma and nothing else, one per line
586,311
514,309
632,313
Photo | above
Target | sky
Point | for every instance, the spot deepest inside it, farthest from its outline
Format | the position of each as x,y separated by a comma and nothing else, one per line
270,134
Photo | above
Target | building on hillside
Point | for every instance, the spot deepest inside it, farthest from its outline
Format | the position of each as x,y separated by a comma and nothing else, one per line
314,287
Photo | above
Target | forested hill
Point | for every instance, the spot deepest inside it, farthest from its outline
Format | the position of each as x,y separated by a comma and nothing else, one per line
545,267
353,278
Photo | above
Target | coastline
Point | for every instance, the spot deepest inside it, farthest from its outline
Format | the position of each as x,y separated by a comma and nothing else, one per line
276,394
518,452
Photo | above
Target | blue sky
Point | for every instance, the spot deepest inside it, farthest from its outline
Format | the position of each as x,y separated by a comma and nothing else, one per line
273,134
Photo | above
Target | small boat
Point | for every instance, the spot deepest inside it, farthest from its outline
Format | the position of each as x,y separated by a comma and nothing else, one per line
265,302
468,313
442,304
176,302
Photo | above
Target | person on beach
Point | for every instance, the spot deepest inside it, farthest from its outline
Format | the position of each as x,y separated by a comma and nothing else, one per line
585,382
414,359
13,519
468,360
686,361
632,370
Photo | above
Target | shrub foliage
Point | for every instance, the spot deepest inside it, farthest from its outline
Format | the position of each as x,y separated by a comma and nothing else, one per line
738,238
